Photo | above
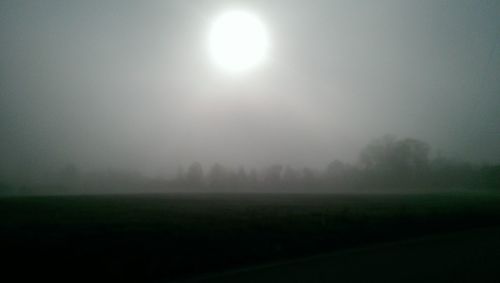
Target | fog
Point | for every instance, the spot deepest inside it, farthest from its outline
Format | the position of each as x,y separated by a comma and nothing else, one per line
129,84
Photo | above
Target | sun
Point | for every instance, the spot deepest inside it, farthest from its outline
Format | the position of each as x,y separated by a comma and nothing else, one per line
238,41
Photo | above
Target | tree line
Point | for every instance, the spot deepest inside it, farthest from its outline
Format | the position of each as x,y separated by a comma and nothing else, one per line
385,164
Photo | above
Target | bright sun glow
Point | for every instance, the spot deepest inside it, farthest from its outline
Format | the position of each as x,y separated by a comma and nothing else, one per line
238,41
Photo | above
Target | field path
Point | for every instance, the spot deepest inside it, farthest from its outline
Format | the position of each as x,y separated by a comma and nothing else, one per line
472,256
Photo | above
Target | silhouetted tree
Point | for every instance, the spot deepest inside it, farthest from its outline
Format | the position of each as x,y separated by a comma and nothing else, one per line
336,170
449,173
253,178
194,175
490,177
391,154
339,175
395,161
217,176
290,175
180,177
242,178
272,175
308,178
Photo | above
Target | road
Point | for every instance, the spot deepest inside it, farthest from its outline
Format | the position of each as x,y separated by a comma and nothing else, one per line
472,256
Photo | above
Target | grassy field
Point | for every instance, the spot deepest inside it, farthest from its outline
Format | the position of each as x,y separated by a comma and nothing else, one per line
143,238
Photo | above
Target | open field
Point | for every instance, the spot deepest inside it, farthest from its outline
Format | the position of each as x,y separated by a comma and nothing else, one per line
141,238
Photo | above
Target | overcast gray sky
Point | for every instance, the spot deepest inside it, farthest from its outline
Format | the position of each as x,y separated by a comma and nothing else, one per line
129,84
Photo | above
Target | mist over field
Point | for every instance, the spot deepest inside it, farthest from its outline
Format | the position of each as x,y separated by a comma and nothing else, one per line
250,141
129,86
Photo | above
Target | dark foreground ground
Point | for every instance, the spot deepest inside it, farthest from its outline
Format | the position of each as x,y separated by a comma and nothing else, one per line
470,256
148,238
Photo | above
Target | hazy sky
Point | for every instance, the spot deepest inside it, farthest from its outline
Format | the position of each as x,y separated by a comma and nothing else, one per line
129,84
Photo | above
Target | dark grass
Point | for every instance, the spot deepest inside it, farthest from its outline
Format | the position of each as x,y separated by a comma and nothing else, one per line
144,238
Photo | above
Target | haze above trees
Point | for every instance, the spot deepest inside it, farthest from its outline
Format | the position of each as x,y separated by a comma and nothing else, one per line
385,164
